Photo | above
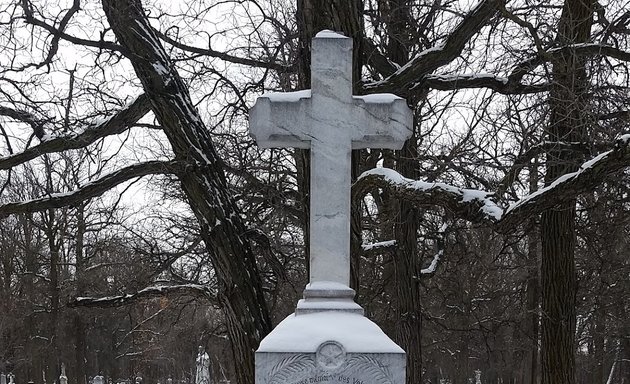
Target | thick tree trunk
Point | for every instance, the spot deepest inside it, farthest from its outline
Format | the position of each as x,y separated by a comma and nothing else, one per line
568,123
407,270
599,376
558,295
204,184
405,261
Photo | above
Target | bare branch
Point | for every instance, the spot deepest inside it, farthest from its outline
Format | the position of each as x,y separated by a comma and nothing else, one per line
58,32
620,114
431,59
227,57
94,188
377,60
114,125
25,117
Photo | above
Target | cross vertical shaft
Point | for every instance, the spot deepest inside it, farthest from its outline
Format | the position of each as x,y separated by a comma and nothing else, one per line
330,227
331,81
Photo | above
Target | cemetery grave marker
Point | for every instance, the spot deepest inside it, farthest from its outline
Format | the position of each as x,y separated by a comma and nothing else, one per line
328,339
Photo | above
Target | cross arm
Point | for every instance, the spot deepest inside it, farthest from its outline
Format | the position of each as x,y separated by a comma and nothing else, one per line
277,120
383,120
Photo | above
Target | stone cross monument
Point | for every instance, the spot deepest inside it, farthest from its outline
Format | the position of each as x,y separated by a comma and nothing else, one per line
331,122
328,338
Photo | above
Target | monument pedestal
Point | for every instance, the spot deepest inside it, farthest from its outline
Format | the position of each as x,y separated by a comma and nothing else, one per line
328,340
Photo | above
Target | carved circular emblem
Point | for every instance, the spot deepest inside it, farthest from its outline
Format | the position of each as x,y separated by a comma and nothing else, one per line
330,355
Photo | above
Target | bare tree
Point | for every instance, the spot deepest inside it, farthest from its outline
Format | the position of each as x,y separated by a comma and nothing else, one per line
494,63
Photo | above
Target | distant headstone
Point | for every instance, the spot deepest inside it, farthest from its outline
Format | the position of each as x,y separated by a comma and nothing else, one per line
11,378
98,379
202,363
328,339
169,381
63,379
3,378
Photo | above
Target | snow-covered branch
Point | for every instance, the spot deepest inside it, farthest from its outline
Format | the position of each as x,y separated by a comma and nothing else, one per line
430,270
93,188
37,124
194,290
378,248
417,74
473,205
567,187
113,125
479,207
589,49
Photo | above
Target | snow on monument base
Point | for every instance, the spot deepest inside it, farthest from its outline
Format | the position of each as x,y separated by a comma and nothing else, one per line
335,345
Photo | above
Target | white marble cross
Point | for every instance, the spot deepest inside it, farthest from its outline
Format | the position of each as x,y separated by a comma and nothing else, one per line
331,122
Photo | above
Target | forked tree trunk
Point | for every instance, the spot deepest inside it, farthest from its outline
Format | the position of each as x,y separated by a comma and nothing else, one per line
239,285
568,123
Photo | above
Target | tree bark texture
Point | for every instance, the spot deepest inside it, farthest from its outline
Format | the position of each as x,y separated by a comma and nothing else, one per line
532,318
80,346
240,291
405,261
568,123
